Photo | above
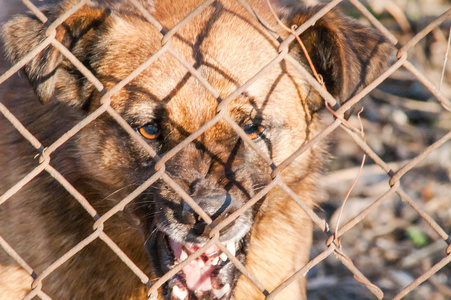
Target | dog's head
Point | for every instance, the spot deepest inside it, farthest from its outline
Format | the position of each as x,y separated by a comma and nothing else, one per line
165,104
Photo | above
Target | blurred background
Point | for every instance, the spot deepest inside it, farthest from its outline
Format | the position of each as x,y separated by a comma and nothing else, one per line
401,118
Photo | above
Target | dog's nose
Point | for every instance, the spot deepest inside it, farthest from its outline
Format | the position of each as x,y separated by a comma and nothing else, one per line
218,204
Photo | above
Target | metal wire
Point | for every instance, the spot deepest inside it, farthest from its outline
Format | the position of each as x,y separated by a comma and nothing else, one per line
393,186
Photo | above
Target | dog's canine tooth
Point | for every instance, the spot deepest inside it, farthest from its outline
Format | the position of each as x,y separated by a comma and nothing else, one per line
223,256
183,256
215,261
221,292
200,263
179,293
231,247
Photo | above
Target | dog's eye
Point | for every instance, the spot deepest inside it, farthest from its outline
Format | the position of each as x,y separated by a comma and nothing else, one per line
253,130
149,131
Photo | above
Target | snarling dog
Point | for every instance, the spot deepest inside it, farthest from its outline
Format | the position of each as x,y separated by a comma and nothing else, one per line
165,104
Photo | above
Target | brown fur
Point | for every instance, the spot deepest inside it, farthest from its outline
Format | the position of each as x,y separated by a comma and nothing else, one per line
228,46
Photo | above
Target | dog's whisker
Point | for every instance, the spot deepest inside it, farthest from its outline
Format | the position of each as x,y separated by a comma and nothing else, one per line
117,191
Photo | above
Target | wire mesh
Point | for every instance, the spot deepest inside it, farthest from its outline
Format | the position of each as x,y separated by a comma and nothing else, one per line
333,242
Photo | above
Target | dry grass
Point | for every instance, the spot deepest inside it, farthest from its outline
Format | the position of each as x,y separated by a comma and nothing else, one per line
393,245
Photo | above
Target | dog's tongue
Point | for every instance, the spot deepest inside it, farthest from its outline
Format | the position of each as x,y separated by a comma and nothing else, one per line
198,272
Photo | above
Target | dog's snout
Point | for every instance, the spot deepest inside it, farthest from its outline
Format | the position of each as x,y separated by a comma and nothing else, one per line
217,204
189,215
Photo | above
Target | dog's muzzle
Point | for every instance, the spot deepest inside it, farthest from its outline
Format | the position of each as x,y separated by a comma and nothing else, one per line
211,275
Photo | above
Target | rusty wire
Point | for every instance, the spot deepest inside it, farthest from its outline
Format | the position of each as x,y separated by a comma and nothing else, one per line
393,186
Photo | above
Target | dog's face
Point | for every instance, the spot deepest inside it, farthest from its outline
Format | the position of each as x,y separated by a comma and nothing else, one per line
165,104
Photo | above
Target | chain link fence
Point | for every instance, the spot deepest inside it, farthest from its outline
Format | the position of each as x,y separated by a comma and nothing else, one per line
333,248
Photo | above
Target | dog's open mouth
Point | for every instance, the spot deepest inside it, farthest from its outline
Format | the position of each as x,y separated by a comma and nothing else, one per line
202,274
210,276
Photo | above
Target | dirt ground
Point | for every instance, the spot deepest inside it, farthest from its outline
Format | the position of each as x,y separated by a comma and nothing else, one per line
393,246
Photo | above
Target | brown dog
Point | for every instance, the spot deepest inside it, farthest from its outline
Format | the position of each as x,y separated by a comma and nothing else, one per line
165,104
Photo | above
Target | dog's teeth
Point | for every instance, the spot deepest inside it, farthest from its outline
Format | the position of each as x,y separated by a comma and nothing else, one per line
215,261
181,294
223,256
183,256
231,247
200,263
221,292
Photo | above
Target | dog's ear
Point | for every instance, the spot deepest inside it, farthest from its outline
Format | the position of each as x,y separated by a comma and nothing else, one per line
49,72
345,53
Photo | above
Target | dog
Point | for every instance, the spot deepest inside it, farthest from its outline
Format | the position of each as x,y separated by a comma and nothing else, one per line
165,104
